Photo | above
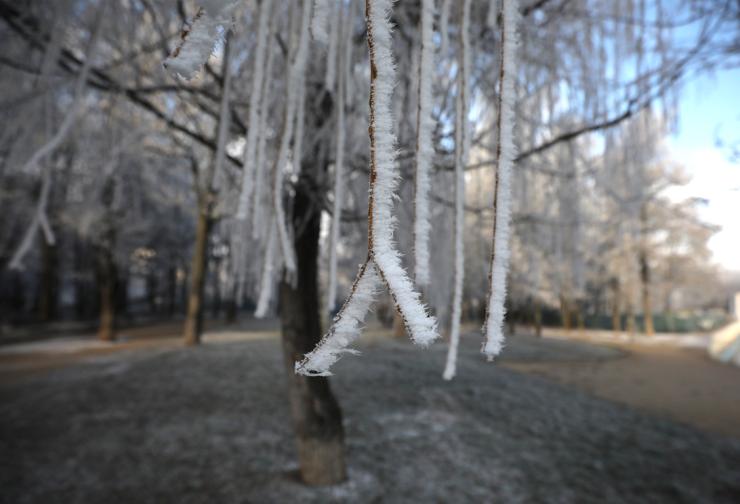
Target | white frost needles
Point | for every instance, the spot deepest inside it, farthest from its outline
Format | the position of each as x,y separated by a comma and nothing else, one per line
255,102
461,157
296,80
200,36
383,263
424,146
505,155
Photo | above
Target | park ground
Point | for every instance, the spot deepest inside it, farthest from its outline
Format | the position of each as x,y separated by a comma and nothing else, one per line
582,419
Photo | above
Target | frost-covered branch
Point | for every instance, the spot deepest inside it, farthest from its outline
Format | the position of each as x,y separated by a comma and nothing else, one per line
424,146
261,162
320,22
267,282
199,37
346,327
492,13
461,157
74,110
336,219
334,35
255,104
444,28
223,115
39,219
421,327
383,259
295,80
505,156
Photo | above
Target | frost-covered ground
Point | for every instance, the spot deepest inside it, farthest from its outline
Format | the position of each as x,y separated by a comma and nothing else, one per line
211,425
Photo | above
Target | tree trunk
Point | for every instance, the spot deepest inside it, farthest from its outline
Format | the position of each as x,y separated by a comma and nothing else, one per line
317,417
47,301
232,304
537,318
580,317
106,293
82,310
194,316
631,319
217,301
565,313
616,314
647,305
171,290
152,289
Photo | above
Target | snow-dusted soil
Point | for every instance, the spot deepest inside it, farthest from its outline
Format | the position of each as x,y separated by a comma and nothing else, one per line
211,424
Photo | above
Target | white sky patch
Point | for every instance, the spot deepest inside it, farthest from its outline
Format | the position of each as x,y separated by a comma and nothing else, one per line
717,180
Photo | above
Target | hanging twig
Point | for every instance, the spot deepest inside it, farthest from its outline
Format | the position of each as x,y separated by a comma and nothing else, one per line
424,147
336,217
259,80
461,157
199,37
296,73
383,262
505,156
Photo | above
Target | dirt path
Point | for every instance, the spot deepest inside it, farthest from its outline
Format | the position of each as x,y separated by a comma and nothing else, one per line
682,384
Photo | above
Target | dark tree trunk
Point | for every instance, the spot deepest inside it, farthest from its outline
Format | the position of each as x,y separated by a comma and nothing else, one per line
317,417
106,276
121,294
232,305
48,289
647,305
565,313
194,315
171,290
616,302
217,301
152,288
537,318
105,267
631,324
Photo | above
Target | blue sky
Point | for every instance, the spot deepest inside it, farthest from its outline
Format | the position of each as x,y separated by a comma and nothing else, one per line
710,104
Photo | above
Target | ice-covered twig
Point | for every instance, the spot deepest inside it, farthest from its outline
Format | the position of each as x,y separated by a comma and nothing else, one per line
295,79
320,20
300,123
492,13
505,155
424,146
199,37
383,259
267,281
444,28
421,327
334,35
336,217
255,104
260,168
74,110
39,219
461,158
346,327
223,116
